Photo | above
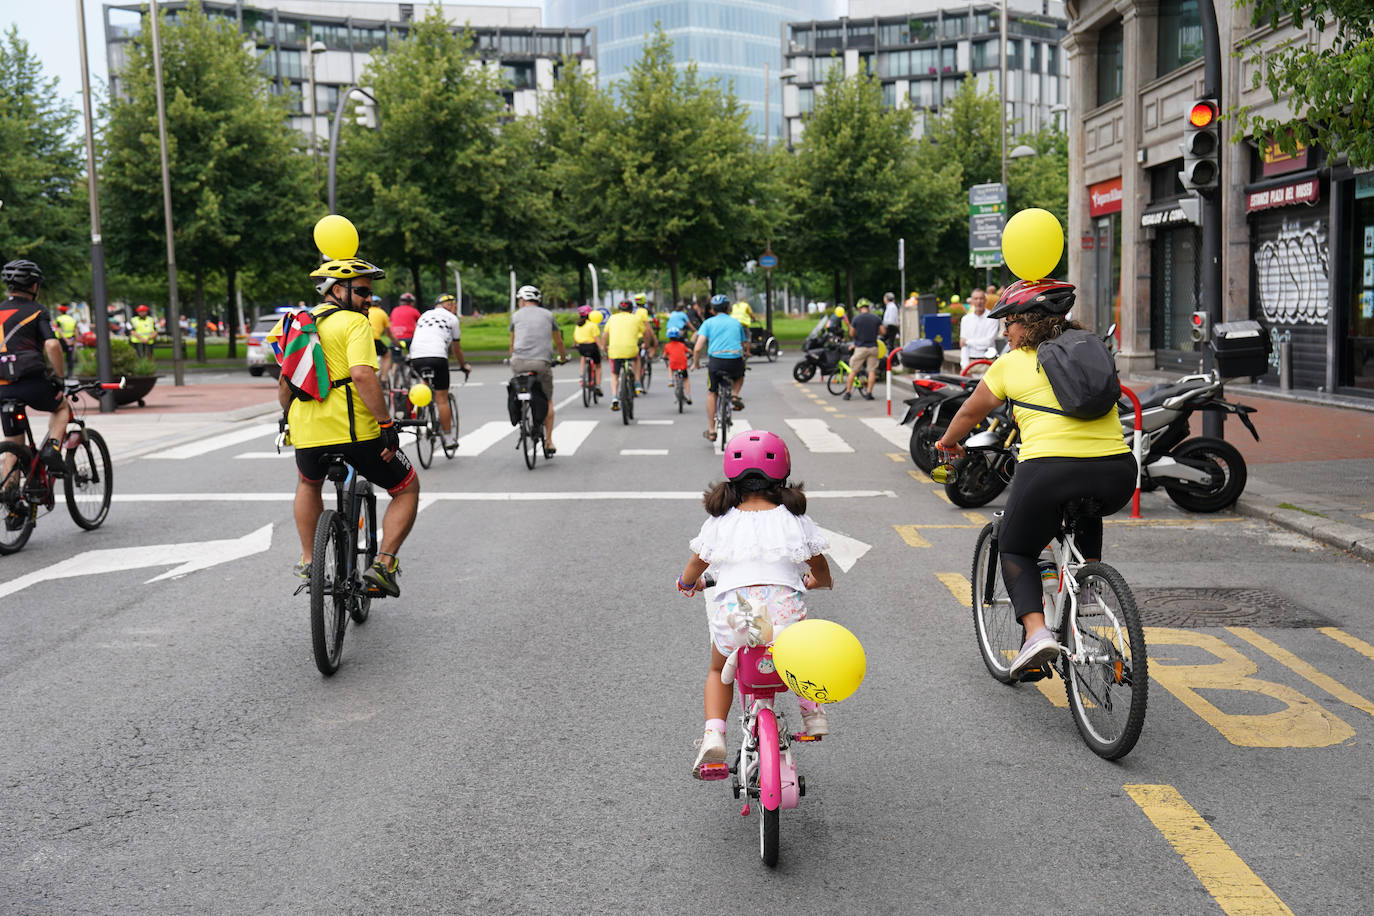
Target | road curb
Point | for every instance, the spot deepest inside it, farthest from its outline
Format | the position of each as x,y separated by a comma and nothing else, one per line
1359,541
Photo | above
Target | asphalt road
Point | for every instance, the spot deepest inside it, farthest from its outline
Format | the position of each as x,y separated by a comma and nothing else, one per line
514,734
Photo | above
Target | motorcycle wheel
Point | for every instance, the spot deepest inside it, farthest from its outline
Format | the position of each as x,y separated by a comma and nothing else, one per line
1222,461
804,371
976,482
923,439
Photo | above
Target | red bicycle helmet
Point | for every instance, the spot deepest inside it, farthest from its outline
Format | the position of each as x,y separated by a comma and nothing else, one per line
1052,297
757,453
584,311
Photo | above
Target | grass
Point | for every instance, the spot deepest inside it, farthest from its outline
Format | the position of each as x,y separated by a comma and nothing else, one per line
1301,509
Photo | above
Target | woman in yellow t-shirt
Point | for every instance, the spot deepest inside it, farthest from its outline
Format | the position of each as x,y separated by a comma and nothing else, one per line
1061,458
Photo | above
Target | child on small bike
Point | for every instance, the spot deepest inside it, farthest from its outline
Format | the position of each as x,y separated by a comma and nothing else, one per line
764,550
677,352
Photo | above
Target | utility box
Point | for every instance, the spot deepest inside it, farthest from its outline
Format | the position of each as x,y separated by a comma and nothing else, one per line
1241,348
938,328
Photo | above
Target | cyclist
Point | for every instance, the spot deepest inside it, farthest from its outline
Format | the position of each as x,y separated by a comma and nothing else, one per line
533,335
64,326
648,321
437,332
587,337
865,357
381,331
403,319
721,338
677,351
24,376
1061,458
352,419
143,332
679,320
621,339
743,312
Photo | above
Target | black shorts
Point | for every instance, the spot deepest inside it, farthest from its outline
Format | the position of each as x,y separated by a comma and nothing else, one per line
591,351
380,347
731,368
437,363
619,365
38,391
365,456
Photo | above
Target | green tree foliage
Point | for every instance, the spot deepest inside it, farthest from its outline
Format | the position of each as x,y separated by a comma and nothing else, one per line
1329,88
858,184
44,216
241,189
425,186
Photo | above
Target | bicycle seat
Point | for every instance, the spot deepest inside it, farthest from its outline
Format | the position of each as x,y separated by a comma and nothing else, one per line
1082,507
338,466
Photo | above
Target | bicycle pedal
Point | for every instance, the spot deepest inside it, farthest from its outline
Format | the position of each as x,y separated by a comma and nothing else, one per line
713,771
803,736
304,586
1030,675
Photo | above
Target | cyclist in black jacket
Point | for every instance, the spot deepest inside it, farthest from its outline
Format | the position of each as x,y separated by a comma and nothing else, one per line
24,374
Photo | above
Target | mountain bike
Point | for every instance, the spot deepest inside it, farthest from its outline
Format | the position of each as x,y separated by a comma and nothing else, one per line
725,407
680,388
1093,615
590,392
835,383
531,428
430,430
626,394
27,486
647,362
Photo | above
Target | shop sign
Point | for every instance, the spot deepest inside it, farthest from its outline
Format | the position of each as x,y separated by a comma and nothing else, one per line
1167,217
1364,185
1104,198
1299,192
1088,241
1277,162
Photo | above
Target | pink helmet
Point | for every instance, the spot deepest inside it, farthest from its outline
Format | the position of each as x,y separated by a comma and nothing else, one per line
584,311
757,453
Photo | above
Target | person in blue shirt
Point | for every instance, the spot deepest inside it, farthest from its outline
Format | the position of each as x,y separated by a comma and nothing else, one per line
680,321
721,338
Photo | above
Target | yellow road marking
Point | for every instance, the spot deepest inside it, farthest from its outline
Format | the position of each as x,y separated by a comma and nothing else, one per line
897,457
1288,659
959,586
909,534
1122,521
917,475
943,495
833,409
1368,515
1345,639
1235,888
977,518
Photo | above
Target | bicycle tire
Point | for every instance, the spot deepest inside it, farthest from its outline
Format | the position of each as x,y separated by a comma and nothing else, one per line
425,436
451,450
995,626
1122,663
528,443
329,570
627,393
587,384
648,373
723,418
366,554
767,733
835,383
771,349
16,509
88,480
680,387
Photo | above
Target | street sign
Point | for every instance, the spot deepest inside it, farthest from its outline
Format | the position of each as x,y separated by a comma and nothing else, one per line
768,260
987,215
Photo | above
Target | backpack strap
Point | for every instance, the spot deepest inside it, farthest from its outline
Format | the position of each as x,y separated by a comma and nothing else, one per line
1015,403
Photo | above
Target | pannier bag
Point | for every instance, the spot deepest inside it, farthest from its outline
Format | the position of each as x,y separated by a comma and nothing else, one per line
519,384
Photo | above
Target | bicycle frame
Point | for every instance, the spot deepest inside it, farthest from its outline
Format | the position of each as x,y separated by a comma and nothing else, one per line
766,752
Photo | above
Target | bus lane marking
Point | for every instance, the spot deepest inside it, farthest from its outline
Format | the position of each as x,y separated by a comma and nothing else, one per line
1233,884
1302,668
1345,639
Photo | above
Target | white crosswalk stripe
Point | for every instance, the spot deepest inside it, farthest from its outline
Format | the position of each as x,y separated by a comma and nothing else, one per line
484,437
890,430
818,437
569,435
214,443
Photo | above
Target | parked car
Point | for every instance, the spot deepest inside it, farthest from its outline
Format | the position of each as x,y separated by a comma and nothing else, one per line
259,354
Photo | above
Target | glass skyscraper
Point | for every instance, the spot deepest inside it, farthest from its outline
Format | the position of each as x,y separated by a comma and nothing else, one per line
728,39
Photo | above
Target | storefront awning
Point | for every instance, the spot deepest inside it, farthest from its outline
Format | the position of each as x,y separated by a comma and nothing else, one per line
1305,189
1171,212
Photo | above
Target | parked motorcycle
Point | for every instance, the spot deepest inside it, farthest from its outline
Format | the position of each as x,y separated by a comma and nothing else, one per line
938,398
821,352
988,464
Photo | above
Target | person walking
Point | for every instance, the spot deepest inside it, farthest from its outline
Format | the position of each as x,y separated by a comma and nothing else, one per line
865,328
533,336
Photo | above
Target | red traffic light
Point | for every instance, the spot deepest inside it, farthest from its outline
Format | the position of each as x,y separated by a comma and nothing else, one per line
1197,319
1202,114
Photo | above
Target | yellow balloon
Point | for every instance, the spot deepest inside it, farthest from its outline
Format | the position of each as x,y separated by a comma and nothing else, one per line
336,237
595,317
819,660
420,394
1032,243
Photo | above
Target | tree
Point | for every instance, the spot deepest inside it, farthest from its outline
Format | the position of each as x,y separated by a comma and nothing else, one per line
1330,90
42,177
241,188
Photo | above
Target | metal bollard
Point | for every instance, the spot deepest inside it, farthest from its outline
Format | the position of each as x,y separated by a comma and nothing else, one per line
1286,365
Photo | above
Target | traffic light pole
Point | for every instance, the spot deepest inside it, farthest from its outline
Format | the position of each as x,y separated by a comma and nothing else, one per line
1212,420
334,135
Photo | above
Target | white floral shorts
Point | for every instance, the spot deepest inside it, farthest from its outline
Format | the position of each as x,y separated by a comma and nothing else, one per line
727,614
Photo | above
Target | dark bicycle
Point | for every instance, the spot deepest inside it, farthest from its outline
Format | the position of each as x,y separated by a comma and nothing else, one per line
531,427
725,407
430,431
647,362
27,486
680,388
626,394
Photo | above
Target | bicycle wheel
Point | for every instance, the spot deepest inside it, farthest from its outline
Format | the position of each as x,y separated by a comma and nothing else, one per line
529,443
425,435
771,349
17,512
835,383
648,373
365,552
329,571
994,620
587,385
723,417
627,394
680,389
1108,686
89,480
451,450
767,733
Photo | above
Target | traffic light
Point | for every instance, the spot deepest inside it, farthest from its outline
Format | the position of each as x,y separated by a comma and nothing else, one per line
1201,147
1200,325
364,108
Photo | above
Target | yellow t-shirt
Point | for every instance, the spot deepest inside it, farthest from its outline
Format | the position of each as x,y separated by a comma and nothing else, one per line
624,331
586,332
381,323
742,313
1016,374
347,340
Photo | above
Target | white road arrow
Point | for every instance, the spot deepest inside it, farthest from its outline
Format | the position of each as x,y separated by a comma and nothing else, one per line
187,557
845,550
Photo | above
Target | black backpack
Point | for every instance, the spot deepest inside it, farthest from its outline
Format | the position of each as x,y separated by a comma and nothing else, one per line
1082,373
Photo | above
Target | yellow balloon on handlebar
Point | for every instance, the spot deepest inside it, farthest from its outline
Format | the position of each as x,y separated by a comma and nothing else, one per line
336,238
1032,243
820,660
420,394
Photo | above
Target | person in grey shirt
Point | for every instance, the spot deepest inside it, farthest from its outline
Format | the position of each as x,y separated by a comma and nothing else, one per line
533,336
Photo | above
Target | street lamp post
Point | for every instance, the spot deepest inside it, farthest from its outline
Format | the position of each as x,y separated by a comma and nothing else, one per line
173,303
316,48
785,77
344,95
99,315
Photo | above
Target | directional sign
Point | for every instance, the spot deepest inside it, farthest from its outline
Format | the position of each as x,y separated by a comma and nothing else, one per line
184,558
987,209
768,260
844,550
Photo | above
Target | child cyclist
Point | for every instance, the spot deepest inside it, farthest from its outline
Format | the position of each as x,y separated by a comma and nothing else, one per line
677,351
587,336
764,549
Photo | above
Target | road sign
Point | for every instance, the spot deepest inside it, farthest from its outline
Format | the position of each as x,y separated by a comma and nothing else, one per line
768,260
987,215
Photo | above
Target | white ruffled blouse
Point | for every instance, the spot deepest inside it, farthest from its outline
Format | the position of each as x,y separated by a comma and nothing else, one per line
758,548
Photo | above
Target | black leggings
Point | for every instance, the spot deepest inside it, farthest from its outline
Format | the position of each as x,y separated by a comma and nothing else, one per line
1041,486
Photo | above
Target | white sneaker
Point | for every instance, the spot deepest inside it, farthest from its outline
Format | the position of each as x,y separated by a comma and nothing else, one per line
711,750
1041,647
815,723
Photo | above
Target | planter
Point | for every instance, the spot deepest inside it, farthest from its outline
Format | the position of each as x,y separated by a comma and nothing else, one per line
136,388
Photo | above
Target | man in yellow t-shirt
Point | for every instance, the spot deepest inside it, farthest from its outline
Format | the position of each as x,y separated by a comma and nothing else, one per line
352,420
381,333
621,339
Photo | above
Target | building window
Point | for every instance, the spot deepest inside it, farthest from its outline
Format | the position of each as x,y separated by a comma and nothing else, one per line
866,62
889,95
1180,34
803,67
802,37
333,36
1013,54
921,30
1052,60
954,27
806,99
986,22
519,76
1109,63
1035,57
922,93
367,39
984,55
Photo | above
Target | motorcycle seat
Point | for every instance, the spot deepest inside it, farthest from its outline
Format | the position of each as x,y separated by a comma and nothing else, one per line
1156,395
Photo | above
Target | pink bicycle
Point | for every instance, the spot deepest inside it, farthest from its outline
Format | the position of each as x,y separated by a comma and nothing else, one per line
764,769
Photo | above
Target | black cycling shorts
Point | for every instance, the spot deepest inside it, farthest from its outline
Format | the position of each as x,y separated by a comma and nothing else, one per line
732,368
380,347
619,364
41,392
365,456
591,351
440,366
